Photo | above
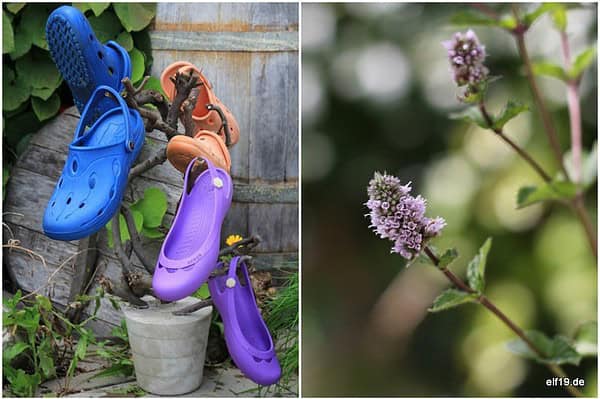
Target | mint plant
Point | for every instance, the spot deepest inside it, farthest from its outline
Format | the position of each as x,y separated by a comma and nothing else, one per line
398,216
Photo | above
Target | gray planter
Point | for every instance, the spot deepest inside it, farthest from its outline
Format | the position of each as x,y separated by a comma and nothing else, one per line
168,351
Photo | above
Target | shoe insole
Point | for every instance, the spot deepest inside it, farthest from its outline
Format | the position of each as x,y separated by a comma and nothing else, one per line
109,129
249,319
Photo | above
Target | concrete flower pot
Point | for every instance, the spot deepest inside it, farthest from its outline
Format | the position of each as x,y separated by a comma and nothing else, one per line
168,351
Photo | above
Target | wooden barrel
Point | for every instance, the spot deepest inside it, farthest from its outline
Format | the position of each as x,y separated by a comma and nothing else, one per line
249,53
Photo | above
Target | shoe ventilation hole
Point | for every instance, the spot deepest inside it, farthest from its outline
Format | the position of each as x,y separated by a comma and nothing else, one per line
111,71
53,203
81,205
74,166
60,182
256,359
268,360
92,182
100,55
210,121
171,270
68,200
100,212
112,192
91,37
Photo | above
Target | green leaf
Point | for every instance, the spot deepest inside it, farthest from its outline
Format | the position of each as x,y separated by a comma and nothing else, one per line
544,68
37,70
582,61
555,190
476,268
202,292
137,65
8,36
153,206
14,7
12,351
470,18
153,83
586,339
118,369
23,384
152,233
106,26
448,257
33,23
451,298
508,22
135,16
43,302
45,109
557,350
97,8
511,110
43,93
15,91
530,18
18,126
589,165
125,40
471,114
138,218
23,43
559,17
46,361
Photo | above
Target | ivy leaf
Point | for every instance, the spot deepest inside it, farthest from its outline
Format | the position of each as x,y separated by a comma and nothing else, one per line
14,7
555,190
97,8
37,70
23,43
469,18
8,36
476,268
471,114
138,219
451,298
43,94
152,206
586,339
137,65
544,68
14,90
510,111
447,258
106,26
33,23
45,109
125,40
557,350
135,16
582,61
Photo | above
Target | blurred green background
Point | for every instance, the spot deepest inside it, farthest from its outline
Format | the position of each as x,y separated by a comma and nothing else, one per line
376,93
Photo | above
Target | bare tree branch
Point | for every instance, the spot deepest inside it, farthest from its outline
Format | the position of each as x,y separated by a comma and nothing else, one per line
184,83
188,109
157,159
192,308
136,241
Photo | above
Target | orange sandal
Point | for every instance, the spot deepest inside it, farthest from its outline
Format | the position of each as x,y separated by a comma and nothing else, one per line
182,149
210,113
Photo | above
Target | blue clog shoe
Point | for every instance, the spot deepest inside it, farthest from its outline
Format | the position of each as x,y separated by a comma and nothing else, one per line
82,60
95,174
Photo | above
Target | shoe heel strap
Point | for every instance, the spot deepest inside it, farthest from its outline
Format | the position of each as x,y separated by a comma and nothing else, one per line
111,93
211,169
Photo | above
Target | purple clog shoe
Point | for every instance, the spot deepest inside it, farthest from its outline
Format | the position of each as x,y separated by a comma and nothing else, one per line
246,334
191,249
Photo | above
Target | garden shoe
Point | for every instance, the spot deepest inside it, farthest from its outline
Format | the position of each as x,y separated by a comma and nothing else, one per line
182,149
82,60
246,334
205,114
190,251
91,186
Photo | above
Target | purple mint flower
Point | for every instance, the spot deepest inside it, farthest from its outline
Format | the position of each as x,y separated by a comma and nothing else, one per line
400,217
466,57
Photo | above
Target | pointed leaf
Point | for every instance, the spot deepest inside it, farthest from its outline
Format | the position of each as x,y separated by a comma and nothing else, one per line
451,298
559,17
555,190
45,109
14,7
447,258
511,110
471,114
582,61
135,16
43,93
557,350
531,17
586,339
98,8
202,292
12,351
545,68
8,35
476,268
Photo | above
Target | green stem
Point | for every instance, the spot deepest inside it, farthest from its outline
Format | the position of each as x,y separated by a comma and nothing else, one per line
489,305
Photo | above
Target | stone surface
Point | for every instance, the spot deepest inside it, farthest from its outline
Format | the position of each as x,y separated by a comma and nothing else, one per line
168,351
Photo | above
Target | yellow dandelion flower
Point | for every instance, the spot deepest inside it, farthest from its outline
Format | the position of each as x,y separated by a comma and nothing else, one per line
232,239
